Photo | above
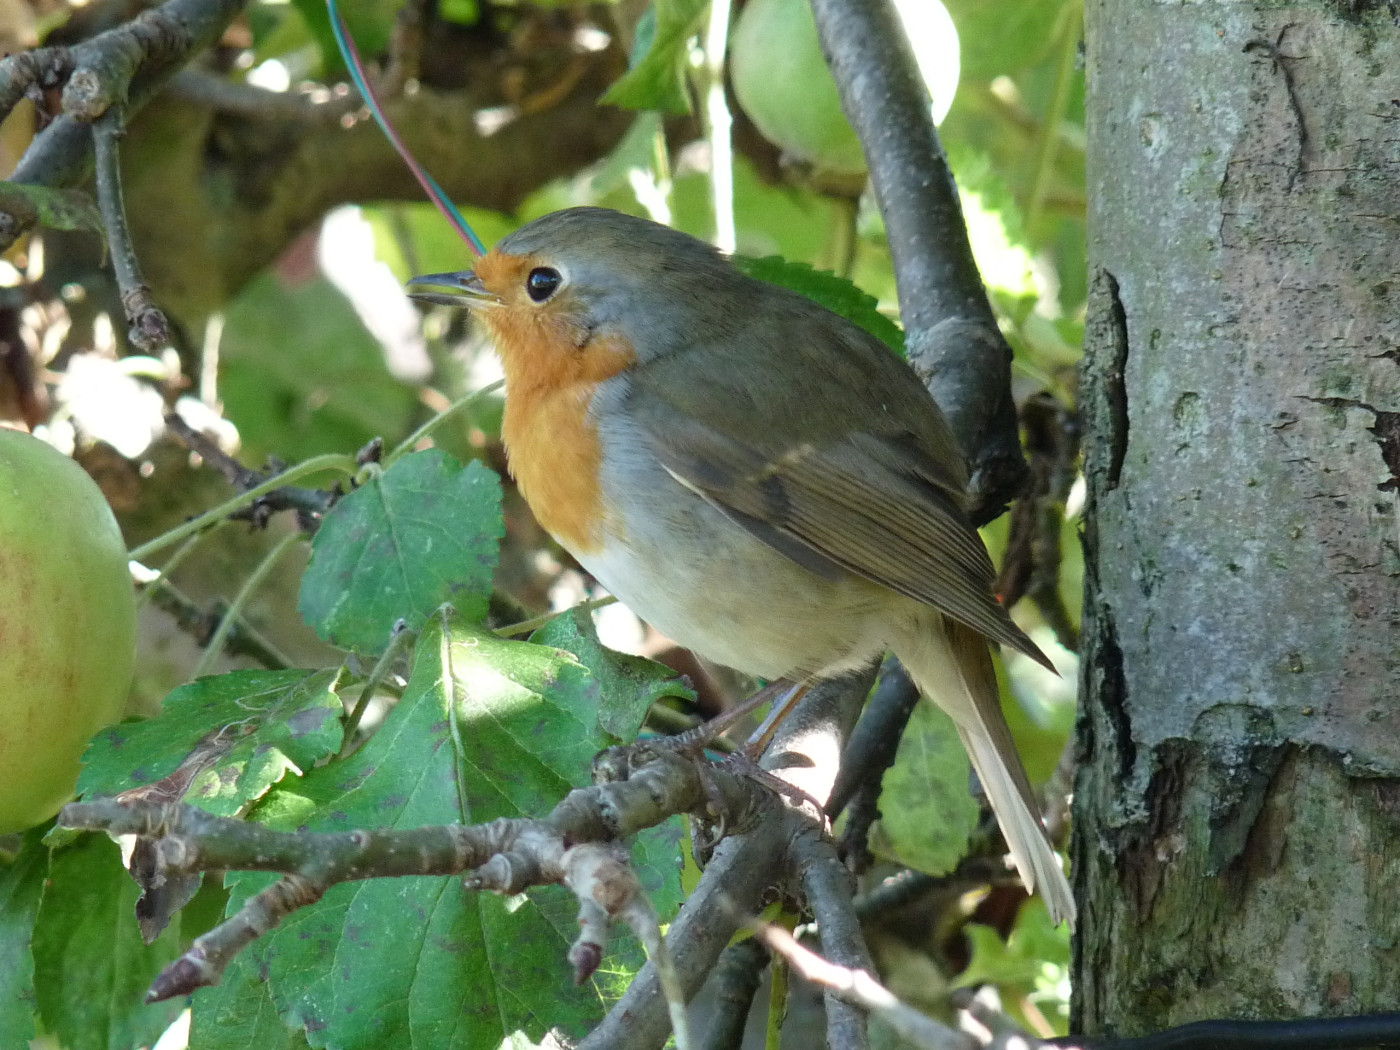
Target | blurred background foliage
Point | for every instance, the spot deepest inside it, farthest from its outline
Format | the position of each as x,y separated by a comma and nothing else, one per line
322,352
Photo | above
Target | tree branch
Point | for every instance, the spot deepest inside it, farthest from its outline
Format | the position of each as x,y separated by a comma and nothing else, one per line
857,987
147,328
505,856
127,64
954,342
829,892
743,866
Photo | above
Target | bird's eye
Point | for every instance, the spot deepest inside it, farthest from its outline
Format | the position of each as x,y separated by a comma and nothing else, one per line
542,282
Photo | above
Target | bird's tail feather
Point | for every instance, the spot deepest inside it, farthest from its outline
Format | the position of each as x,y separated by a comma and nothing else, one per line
952,667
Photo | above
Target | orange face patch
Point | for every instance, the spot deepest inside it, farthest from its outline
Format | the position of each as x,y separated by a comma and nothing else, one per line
553,369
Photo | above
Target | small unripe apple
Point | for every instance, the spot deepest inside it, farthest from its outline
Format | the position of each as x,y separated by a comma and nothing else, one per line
67,625
781,80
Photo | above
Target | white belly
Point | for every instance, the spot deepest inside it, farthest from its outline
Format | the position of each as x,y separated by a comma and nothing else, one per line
709,584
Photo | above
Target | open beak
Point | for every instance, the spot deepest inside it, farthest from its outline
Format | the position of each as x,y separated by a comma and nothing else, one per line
463,288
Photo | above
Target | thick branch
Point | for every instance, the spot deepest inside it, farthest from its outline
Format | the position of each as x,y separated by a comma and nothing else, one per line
128,64
953,338
743,867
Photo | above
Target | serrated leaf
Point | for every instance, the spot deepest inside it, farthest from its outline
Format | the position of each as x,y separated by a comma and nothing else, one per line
660,57
630,684
21,890
425,532
835,293
926,811
91,970
245,729
385,962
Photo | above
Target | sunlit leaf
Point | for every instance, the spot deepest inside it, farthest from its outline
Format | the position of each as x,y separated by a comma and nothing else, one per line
660,55
246,729
384,962
424,532
630,684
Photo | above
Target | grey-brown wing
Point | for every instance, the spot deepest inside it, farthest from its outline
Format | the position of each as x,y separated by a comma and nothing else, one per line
875,505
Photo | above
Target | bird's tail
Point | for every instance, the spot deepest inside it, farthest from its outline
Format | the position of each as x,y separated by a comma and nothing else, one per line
952,667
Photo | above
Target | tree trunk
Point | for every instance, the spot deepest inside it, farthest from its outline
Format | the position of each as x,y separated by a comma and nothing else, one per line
1237,813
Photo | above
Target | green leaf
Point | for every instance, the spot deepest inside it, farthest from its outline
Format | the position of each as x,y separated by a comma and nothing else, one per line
630,684
383,962
255,726
424,532
927,813
238,1013
301,376
91,970
21,890
56,209
660,57
835,293
1033,963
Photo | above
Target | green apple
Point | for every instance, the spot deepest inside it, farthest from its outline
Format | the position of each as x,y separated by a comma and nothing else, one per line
783,84
67,625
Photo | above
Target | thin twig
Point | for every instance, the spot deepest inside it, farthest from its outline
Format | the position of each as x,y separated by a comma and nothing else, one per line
242,639
147,328
126,65
718,126
859,988
399,637
310,505
316,465
240,602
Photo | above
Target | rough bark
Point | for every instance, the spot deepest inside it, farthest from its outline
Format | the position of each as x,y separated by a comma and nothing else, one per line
1237,839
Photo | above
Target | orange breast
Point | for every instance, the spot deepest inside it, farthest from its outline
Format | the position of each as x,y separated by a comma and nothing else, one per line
553,369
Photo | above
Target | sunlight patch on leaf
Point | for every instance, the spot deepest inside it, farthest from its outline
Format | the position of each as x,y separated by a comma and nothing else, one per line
660,56
385,961
244,729
630,684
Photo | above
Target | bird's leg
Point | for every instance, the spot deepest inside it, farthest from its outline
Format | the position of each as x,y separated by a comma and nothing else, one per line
763,735
705,734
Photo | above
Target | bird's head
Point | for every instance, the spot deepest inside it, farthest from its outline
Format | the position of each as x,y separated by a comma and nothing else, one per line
587,279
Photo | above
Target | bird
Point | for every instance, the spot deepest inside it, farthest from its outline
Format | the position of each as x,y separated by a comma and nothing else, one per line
757,477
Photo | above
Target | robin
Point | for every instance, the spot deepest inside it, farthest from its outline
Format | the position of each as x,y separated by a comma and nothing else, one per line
757,477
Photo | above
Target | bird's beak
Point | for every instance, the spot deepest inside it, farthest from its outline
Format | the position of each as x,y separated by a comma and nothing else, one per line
464,288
